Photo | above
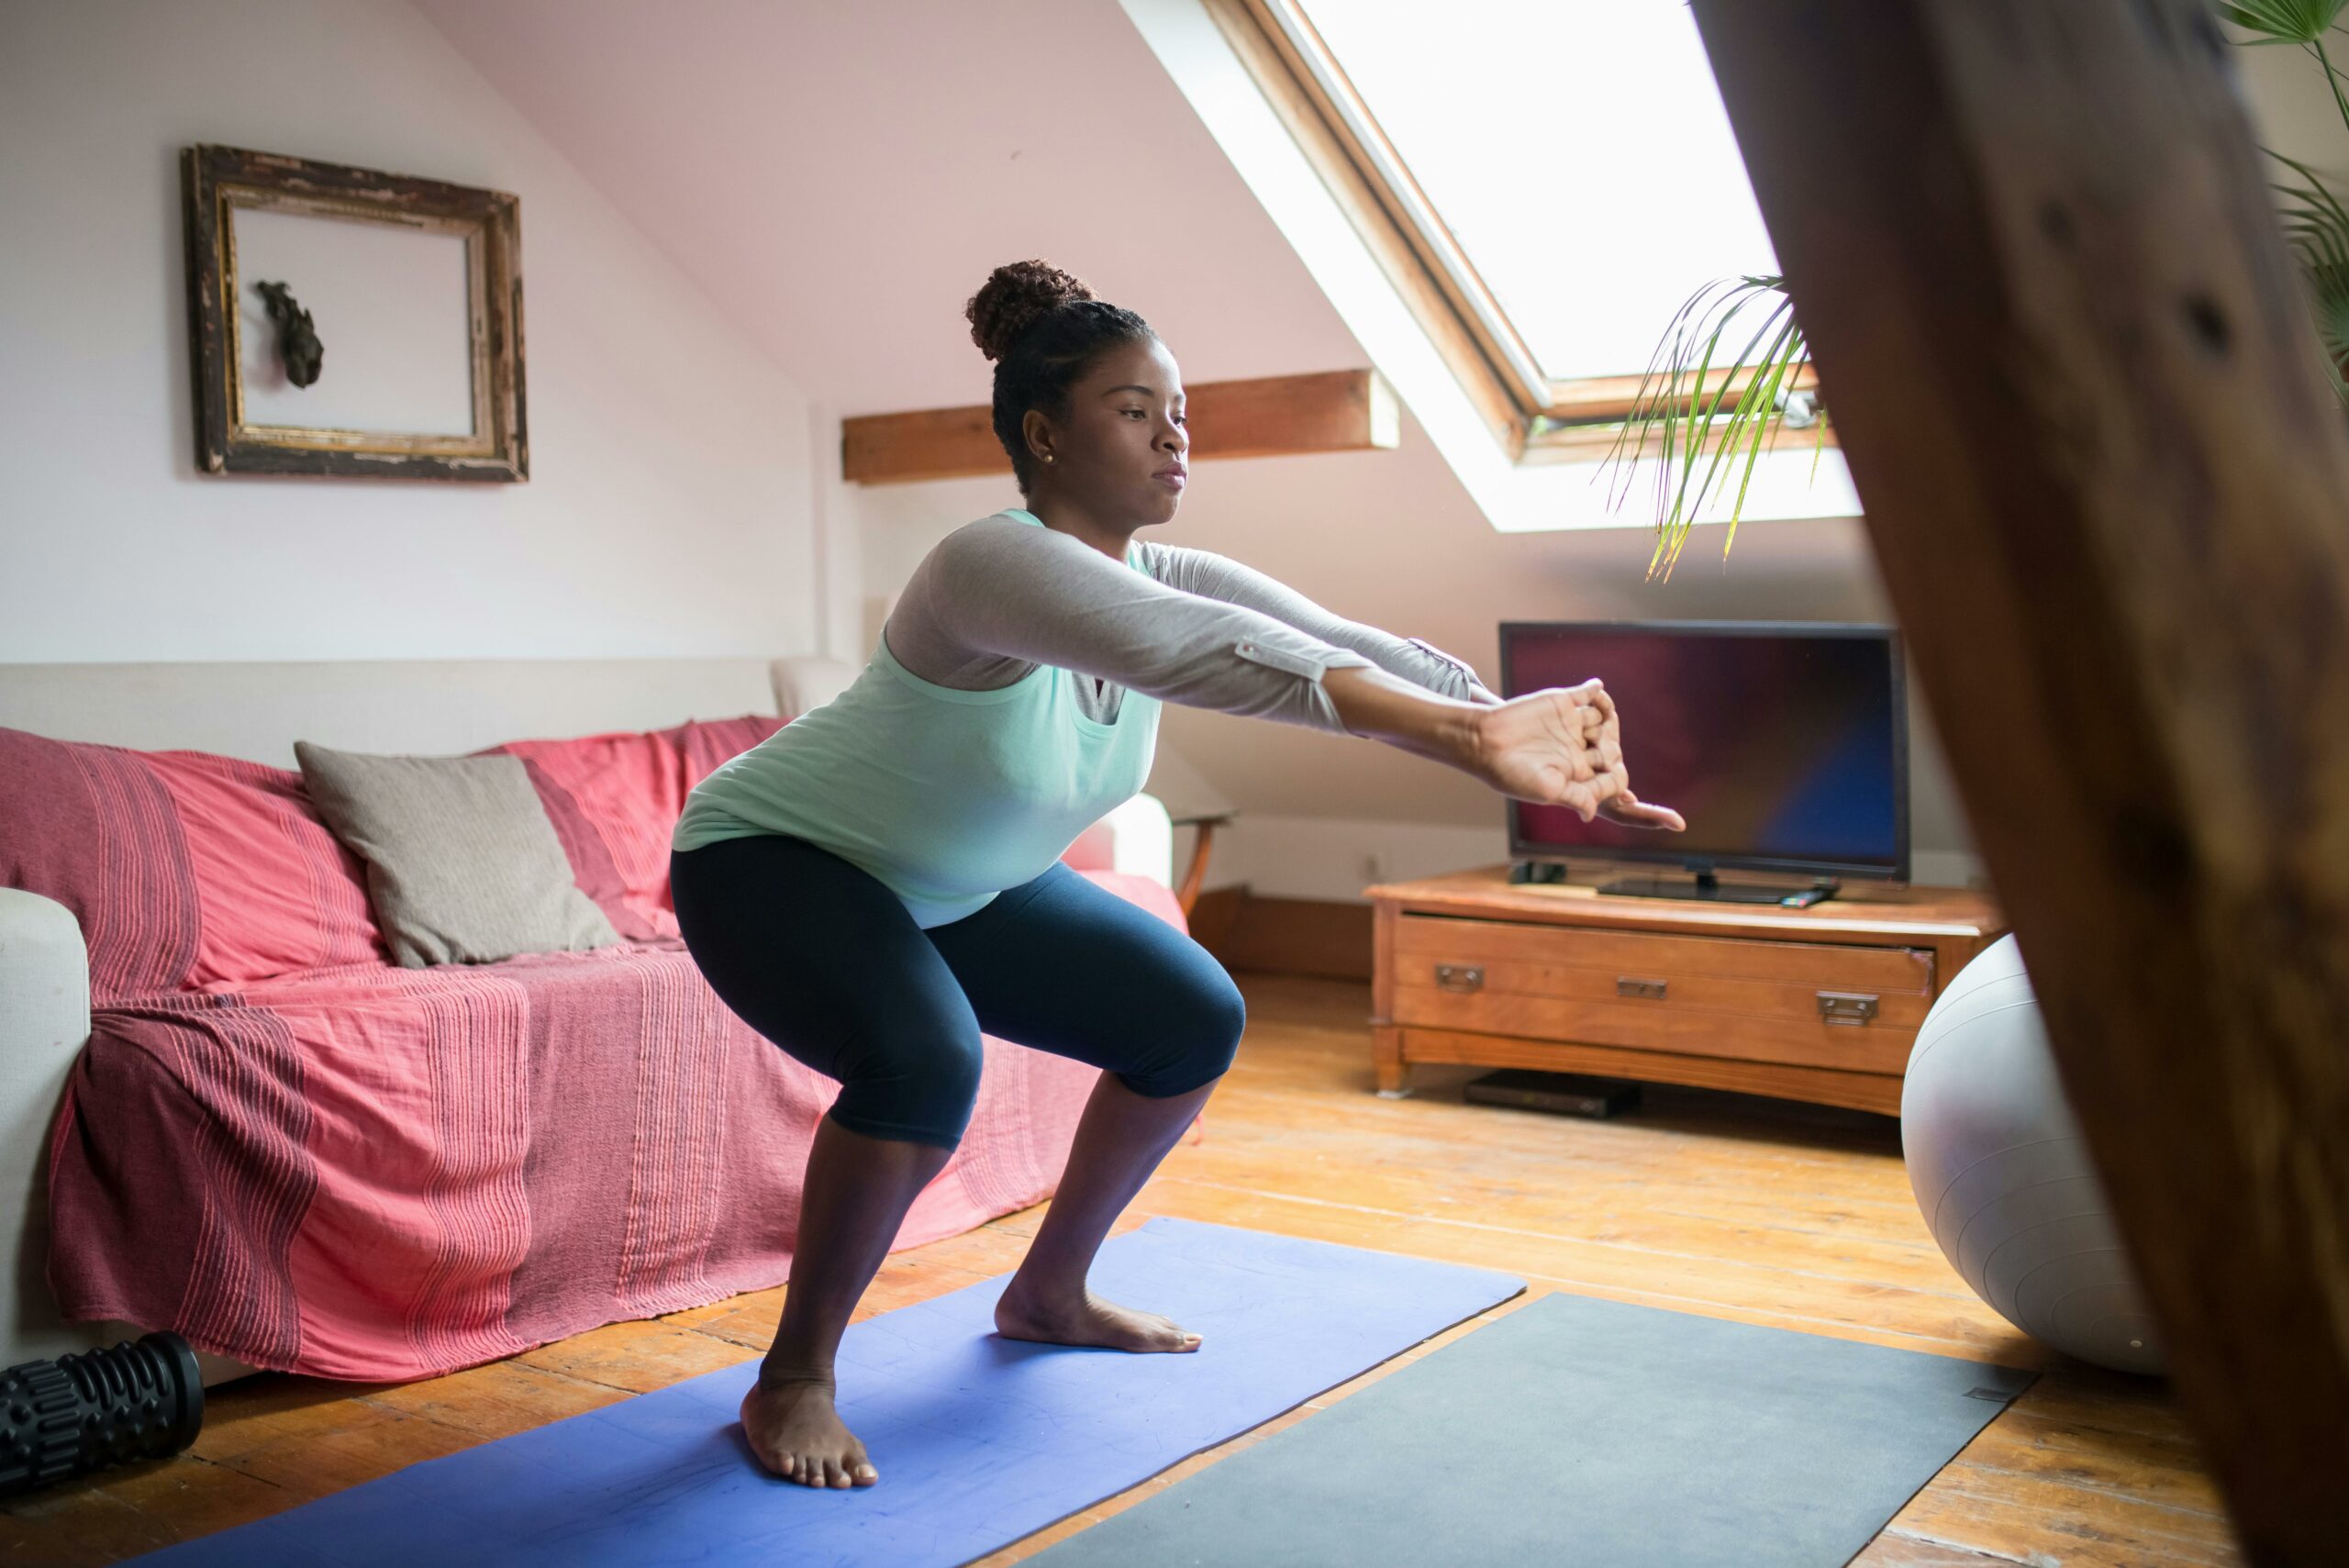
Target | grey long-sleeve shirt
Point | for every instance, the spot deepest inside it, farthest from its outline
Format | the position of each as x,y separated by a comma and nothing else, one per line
998,596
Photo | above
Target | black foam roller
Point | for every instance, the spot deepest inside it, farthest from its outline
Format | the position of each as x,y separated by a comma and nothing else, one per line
143,1400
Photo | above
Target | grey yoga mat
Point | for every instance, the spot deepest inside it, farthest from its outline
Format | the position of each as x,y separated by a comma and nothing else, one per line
1574,1430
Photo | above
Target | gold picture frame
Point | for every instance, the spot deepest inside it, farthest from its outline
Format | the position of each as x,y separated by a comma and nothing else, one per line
454,263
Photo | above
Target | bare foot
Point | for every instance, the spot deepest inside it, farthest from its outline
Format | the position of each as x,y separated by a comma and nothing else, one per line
796,1432
1087,1321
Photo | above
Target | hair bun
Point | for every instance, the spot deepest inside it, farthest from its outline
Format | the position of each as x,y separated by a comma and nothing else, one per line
1012,299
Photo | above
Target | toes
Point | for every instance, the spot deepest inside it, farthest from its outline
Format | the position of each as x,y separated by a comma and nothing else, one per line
816,1470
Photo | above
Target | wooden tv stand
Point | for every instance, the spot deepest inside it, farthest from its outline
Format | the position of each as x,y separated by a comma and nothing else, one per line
1818,1003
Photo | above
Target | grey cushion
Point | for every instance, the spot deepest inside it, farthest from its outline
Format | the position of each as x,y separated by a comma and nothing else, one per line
462,865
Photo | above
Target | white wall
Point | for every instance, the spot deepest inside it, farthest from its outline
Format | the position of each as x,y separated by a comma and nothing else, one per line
678,475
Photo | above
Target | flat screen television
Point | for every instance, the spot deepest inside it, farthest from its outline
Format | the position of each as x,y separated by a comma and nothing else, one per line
1784,745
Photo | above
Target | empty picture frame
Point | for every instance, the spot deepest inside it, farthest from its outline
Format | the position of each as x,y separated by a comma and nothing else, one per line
414,291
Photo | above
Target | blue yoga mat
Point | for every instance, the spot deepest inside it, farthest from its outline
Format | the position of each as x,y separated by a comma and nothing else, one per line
979,1439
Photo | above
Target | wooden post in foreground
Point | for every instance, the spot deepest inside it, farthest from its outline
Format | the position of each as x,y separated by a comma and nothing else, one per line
2067,351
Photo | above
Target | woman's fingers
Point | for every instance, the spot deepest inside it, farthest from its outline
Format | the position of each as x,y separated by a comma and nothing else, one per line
1563,747
1599,721
1608,793
1632,812
1572,738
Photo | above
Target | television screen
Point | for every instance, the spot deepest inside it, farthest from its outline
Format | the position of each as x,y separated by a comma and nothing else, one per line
1784,745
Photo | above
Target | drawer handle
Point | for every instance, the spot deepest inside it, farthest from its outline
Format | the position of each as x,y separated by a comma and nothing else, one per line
1459,977
1652,990
1850,1008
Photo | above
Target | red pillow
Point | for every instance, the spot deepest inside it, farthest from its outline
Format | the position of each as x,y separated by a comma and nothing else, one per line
615,799
186,871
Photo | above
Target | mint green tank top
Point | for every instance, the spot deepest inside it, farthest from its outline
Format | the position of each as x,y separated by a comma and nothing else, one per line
946,797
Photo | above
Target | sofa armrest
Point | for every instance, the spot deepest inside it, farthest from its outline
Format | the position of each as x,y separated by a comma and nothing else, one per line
809,681
44,1022
1137,838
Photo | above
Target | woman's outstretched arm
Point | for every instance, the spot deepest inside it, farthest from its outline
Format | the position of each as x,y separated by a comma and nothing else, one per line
1559,747
998,596
1213,576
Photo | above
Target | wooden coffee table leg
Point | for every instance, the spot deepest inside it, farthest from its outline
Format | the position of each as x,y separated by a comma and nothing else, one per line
1386,1056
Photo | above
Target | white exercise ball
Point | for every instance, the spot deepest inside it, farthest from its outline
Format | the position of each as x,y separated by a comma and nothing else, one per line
2003,1179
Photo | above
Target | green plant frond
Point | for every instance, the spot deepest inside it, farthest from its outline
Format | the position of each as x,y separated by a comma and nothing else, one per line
1754,399
1700,421
2317,223
2283,21
1699,417
2318,234
2313,216
1783,354
1656,384
1707,429
1667,406
2294,164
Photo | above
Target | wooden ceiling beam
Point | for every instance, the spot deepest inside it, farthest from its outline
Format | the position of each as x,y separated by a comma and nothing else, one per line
2034,252
1332,411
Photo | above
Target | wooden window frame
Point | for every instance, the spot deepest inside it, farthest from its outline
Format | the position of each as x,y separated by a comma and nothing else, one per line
1535,418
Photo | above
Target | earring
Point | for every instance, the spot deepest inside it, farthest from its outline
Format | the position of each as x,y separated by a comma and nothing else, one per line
1048,457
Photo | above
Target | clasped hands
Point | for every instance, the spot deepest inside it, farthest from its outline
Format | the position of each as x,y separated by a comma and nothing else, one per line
1563,746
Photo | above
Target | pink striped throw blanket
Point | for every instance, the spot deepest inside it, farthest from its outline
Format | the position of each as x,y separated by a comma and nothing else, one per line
302,1157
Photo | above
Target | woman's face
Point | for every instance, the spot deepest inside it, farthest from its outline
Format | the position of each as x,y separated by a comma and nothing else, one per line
1124,453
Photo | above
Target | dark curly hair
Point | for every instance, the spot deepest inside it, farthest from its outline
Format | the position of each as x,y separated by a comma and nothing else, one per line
1042,328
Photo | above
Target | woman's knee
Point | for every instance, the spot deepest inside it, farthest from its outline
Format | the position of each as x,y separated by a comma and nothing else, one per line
922,1088
1198,1038
1227,1021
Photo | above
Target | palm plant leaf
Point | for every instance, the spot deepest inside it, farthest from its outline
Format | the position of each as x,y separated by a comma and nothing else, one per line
2331,285
2302,22
2283,21
2318,226
1708,422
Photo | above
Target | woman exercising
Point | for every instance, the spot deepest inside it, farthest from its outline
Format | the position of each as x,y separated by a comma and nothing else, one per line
880,880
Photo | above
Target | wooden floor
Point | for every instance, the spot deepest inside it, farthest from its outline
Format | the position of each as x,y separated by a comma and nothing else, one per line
1700,1202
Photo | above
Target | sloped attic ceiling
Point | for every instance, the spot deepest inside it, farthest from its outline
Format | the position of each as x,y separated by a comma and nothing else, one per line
840,177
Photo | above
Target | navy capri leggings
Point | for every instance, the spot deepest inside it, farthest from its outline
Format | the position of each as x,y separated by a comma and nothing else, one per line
819,957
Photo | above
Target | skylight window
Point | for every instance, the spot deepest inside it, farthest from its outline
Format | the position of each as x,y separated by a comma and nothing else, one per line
1575,150
1509,202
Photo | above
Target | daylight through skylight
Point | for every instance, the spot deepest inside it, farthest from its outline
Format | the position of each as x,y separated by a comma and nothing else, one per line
1577,150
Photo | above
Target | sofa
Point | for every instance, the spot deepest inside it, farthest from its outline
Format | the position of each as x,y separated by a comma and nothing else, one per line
226,1112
